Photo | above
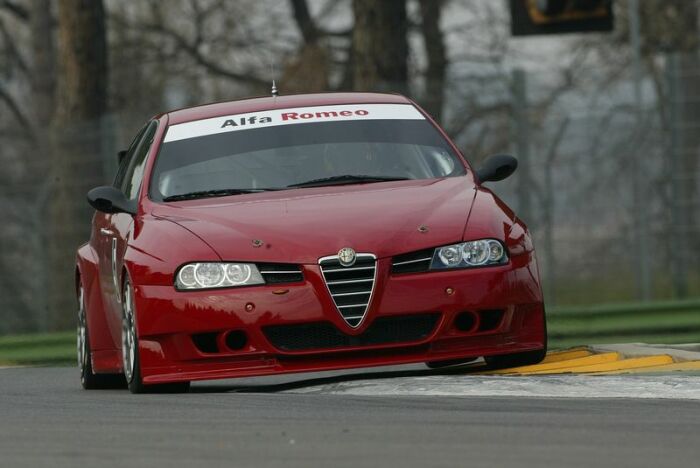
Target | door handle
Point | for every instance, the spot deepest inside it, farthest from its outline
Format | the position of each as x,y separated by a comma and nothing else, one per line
106,232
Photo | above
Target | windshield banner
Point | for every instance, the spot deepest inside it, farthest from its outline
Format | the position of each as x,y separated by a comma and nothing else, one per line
297,115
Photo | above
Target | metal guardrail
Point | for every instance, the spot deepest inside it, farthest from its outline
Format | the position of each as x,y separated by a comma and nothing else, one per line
649,322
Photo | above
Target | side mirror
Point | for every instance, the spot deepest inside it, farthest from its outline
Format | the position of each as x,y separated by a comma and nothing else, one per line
497,167
109,200
120,156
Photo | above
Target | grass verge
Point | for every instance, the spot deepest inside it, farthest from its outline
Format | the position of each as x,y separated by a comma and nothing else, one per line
38,349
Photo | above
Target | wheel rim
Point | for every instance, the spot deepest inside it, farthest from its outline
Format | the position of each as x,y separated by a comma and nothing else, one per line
82,333
128,334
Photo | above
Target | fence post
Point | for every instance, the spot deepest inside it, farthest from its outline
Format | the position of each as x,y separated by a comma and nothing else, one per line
639,175
676,178
550,258
521,126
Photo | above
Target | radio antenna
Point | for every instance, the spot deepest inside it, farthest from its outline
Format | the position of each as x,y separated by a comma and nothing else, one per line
274,85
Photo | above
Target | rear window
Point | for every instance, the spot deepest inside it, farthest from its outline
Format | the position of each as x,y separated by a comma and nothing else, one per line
276,149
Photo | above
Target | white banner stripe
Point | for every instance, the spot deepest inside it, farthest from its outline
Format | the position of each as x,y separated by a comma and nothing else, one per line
297,115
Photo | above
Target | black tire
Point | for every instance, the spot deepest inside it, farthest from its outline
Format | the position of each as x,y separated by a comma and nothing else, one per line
448,363
88,379
91,381
133,378
528,358
505,361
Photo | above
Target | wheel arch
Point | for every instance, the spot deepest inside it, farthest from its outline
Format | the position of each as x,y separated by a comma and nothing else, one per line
86,273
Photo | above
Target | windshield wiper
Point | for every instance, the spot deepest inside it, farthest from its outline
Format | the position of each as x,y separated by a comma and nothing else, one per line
345,179
214,193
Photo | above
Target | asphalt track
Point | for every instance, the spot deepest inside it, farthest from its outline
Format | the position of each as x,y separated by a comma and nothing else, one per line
310,420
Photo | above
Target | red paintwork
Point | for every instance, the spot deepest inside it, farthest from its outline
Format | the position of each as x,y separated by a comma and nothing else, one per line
300,226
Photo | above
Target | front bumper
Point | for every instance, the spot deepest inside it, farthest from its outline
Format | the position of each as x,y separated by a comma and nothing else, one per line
168,319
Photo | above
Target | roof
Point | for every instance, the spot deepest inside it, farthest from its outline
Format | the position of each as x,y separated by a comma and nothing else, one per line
281,102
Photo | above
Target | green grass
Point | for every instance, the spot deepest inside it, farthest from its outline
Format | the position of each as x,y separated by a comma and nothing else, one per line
38,349
654,322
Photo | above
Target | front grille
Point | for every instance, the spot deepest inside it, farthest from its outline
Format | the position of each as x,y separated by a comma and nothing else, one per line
350,287
412,262
275,273
324,335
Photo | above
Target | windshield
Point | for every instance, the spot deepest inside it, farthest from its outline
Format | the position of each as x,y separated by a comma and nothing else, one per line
290,148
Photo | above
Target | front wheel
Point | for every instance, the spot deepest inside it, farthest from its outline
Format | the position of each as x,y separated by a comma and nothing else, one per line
130,354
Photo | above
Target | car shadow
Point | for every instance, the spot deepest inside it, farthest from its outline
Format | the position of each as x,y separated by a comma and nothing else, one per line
332,379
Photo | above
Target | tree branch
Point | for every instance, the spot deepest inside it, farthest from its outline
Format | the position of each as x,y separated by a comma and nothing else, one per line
17,10
14,108
11,45
304,21
434,43
192,50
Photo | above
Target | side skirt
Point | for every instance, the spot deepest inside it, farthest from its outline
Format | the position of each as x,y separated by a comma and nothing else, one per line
107,361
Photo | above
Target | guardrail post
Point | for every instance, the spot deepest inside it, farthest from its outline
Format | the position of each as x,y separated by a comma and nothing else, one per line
521,128
677,179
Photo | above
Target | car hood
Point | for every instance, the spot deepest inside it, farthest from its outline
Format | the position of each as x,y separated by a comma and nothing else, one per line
302,225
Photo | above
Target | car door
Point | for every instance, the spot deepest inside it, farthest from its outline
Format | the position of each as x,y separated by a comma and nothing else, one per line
117,227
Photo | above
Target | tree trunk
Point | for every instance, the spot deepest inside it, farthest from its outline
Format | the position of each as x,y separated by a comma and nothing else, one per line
306,24
437,59
44,62
380,46
76,164
43,100
307,72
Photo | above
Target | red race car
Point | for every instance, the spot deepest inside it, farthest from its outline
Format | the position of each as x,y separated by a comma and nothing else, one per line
301,233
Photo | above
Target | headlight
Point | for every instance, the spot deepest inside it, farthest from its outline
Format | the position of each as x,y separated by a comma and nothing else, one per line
217,275
476,253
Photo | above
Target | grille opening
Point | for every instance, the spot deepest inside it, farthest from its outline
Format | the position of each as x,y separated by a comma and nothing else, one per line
351,273
350,287
205,342
236,340
324,335
490,319
276,273
412,262
400,350
465,321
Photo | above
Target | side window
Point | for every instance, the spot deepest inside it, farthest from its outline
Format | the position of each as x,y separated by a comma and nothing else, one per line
137,163
124,164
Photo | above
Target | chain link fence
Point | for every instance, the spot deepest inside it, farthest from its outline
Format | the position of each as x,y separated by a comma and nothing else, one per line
610,190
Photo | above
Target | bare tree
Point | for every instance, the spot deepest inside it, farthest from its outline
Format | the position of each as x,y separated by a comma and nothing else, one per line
13,59
308,70
380,46
76,164
437,57
212,38
44,61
